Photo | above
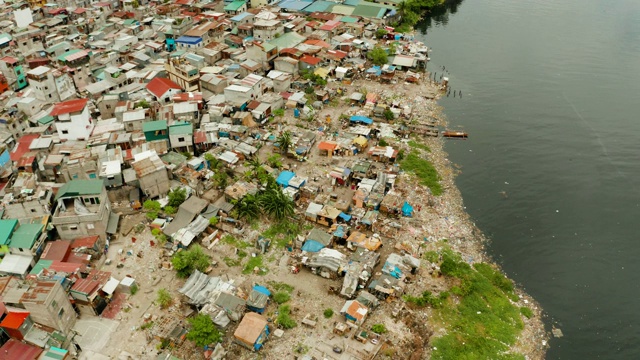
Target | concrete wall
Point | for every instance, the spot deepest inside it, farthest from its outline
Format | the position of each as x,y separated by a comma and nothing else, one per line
75,127
155,184
55,311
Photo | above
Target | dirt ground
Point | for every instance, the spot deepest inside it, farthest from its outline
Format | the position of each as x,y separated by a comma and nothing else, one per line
445,219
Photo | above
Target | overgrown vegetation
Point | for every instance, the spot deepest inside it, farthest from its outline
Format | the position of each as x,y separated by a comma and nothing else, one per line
424,170
152,208
230,240
378,56
186,261
411,12
203,331
177,196
164,298
480,317
280,286
416,145
254,262
284,319
526,312
379,328
281,297
282,233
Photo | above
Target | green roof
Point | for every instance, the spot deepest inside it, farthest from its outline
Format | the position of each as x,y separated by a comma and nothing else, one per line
154,125
184,128
41,264
26,236
369,10
63,57
7,227
80,187
234,6
45,120
130,22
287,40
349,19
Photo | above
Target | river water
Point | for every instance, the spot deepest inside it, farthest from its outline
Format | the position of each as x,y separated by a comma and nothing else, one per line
550,171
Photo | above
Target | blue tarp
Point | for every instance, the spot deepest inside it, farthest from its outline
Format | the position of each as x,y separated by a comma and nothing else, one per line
284,178
345,217
262,289
339,232
312,246
361,119
407,210
392,270
377,70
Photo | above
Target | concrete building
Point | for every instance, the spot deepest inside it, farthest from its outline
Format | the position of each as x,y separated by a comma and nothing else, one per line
152,174
51,85
163,89
82,208
181,136
13,70
73,120
183,74
265,30
49,305
262,53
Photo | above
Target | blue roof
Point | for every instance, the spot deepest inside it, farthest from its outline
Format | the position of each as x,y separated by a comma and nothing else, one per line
339,231
190,40
407,209
262,290
377,70
361,119
284,178
241,16
312,246
294,4
345,217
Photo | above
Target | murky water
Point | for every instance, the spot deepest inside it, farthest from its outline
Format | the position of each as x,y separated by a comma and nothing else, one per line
550,102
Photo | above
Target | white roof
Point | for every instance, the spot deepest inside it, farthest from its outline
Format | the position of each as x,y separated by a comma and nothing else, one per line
229,157
40,70
133,115
184,107
15,264
111,286
110,168
314,208
238,88
40,143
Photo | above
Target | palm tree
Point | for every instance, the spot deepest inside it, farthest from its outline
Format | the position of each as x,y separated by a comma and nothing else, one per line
214,163
276,204
285,141
254,163
221,179
247,208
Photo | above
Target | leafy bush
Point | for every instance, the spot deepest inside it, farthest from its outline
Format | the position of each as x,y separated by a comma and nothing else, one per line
164,298
156,231
213,221
186,261
328,313
388,114
170,210
203,331
284,319
278,112
528,313
177,196
152,215
151,205
379,328
281,297
383,142
424,170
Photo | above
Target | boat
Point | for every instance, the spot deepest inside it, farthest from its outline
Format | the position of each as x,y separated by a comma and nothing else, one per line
455,134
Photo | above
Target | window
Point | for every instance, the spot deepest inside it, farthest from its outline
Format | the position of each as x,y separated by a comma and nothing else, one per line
181,139
90,226
73,227
54,304
64,132
49,96
108,106
33,210
60,313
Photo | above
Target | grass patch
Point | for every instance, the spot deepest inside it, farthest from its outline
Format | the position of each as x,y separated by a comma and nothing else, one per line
416,145
482,322
231,262
146,325
282,233
284,319
242,254
379,328
431,256
280,286
328,313
528,313
281,297
230,240
253,263
424,170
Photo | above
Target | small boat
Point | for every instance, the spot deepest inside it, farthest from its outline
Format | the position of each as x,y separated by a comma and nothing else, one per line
455,134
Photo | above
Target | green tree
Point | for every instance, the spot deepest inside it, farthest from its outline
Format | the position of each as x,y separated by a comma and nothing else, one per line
186,261
213,221
212,161
247,208
170,210
151,205
203,331
383,142
378,56
276,204
177,196
285,141
275,161
380,33
221,179
284,319
379,328
388,114
164,298
143,104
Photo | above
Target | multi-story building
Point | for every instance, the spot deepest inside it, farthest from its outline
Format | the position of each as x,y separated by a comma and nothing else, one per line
265,30
49,305
82,209
184,74
73,120
12,68
50,85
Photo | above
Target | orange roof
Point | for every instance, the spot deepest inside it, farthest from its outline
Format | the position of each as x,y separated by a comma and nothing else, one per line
14,320
69,107
159,86
327,145
311,60
23,146
320,43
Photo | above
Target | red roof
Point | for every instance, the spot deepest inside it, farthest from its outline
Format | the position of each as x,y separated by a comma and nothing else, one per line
330,25
311,60
23,146
16,350
337,53
326,145
79,11
57,250
66,267
9,60
88,241
70,106
26,160
320,43
159,86
14,320
199,137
